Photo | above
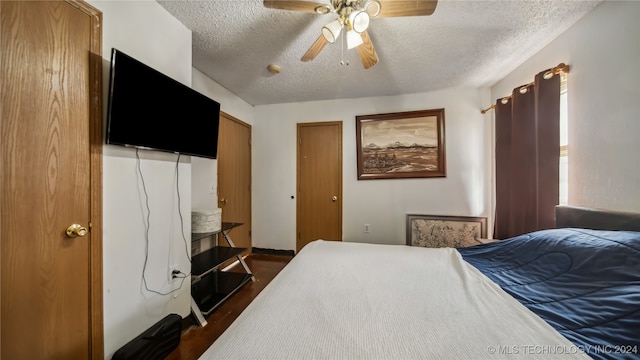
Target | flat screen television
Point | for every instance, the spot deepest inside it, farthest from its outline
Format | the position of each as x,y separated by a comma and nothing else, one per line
150,110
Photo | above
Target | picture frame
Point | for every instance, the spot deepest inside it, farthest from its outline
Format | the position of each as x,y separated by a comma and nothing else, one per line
445,231
401,145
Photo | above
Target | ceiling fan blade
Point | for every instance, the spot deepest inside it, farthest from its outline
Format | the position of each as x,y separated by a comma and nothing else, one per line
366,51
394,8
295,5
315,49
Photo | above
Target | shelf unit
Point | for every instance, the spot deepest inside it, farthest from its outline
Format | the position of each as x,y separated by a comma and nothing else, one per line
210,286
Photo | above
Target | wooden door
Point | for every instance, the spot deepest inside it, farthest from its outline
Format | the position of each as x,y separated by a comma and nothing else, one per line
234,177
51,289
319,214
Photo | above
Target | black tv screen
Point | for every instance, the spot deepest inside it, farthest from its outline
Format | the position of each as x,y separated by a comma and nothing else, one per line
150,110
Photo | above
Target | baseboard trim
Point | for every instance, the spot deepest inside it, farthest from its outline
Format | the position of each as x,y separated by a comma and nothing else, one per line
272,252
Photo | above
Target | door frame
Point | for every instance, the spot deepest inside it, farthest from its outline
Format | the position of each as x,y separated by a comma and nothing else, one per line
96,317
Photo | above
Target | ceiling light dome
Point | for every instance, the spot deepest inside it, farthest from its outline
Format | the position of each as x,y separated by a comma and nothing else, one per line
372,8
332,30
353,39
359,20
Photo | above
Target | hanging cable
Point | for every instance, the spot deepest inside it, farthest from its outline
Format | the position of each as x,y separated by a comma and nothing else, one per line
146,234
184,238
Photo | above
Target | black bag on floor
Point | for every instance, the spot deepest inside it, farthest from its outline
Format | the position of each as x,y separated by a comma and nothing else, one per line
155,343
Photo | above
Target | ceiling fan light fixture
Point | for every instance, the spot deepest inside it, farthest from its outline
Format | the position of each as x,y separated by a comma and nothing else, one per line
373,8
331,31
353,39
359,20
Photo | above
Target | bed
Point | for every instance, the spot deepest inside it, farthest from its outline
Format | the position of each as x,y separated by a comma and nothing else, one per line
567,293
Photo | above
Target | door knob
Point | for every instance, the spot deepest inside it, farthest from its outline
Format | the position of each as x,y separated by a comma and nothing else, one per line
76,230
223,201
334,198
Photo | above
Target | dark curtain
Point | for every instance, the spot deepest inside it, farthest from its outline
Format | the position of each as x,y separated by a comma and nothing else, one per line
527,158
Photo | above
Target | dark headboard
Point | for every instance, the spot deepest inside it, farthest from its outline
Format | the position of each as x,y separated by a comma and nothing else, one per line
597,219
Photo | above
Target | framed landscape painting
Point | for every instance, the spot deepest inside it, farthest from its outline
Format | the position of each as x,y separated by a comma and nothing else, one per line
401,145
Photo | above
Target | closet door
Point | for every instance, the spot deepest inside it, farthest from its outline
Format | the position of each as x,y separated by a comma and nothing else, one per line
319,176
234,178
51,273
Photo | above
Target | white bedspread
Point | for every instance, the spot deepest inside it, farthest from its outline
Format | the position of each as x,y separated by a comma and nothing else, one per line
339,300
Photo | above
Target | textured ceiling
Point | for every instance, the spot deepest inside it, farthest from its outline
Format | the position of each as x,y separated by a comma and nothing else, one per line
463,44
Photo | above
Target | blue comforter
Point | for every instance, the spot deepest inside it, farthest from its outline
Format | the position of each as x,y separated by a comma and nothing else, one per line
584,283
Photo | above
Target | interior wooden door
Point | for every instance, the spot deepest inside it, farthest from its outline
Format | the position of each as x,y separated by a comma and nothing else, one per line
319,213
51,289
234,177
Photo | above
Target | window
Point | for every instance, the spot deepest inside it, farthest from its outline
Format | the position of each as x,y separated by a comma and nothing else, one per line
564,142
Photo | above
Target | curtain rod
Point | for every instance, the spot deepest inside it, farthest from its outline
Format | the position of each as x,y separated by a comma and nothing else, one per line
561,68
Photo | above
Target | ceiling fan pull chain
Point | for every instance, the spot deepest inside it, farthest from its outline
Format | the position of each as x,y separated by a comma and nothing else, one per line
342,62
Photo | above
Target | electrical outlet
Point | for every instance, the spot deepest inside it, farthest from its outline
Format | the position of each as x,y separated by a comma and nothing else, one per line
366,228
173,268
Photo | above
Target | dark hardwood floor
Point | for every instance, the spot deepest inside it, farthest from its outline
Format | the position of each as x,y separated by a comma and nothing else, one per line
195,339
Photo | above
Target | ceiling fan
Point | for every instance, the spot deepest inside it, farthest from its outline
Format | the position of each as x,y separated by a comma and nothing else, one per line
353,17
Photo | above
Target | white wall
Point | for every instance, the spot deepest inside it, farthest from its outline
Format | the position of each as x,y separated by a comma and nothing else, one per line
603,50
381,203
144,30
